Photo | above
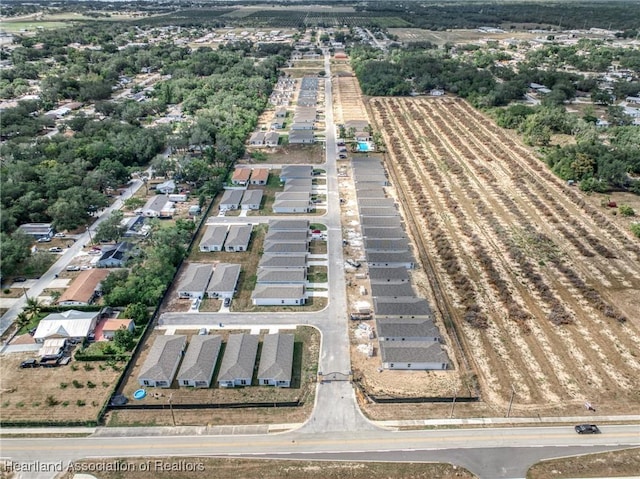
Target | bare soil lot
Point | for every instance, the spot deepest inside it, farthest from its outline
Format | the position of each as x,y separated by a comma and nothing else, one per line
291,155
455,36
537,287
307,343
625,463
52,394
265,469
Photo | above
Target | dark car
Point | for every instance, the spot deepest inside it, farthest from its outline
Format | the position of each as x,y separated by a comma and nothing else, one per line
19,279
587,429
29,363
227,302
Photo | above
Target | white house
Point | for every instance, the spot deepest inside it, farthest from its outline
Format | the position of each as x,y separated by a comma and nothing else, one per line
199,361
407,329
238,361
159,206
276,360
194,280
421,355
112,325
224,281
230,200
238,238
69,324
251,199
213,238
279,295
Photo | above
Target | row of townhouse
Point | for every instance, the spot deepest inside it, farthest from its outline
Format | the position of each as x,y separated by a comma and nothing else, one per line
230,238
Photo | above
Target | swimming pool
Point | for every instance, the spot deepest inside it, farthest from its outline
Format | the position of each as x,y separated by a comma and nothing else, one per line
364,146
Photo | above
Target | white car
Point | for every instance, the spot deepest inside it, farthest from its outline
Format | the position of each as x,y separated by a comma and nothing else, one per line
59,235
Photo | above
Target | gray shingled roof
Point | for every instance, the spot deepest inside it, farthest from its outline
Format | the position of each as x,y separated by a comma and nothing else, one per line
384,275
392,290
389,257
162,358
407,328
252,197
276,360
239,235
288,204
369,190
381,232
156,203
196,277
239,357
200,359
381,221
377,202
296,171
287,236
378,210
277,291
288,225
214,235
386,306
279,247
283,261
224,279
386,244
282,275
231,197
412,352
293,196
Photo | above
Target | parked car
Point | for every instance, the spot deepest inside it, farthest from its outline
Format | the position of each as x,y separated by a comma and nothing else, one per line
29,363
55,249
73,267
46,239
227,302
203,332
587,429
19,279
59,235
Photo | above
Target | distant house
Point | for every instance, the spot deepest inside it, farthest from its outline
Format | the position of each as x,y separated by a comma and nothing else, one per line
301,127
259,176
112,325
392,290
387,307
281,112
251,200
194,280
167,187
37,230
407,329
289,225
230,200
238,238
381,221
276,360
224,281
282,275
115,257
271,139
213,238
382,232
283,261
257,139
386,245
291,206
295,236
422,355
84,289
290,247
279,295
301,137
161,364
158,206
386,259
199,361
69,324
388,275
238,361
241,176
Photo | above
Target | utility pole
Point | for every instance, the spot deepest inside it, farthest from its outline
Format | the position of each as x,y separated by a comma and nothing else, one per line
173,417
453,403
513,393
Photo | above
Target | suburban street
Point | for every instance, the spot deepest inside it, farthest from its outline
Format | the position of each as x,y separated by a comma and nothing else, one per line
336,430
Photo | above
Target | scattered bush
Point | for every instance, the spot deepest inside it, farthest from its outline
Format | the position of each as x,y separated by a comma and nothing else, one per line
51,401
626,210
635,229
77,384
63,385
80,402
88,367
90,385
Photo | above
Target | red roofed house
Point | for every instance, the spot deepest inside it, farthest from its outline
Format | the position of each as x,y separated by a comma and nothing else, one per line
241,176
259,176
112,325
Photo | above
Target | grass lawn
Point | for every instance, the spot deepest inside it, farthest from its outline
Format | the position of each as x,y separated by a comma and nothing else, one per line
625,463
317,274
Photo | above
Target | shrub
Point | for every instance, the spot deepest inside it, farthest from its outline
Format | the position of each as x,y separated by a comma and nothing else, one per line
51,401
626,210
80,402
90,385
65,404
77,384
635,229
88,367
74,367
63,385
6,291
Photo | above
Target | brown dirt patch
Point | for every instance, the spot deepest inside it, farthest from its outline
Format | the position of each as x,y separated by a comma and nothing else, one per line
624,463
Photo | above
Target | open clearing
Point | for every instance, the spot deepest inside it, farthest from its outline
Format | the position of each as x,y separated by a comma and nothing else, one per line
625,463
537,288
230,468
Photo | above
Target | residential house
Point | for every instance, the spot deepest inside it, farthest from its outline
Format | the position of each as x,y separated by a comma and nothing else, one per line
300,127
407,329
37,230
213,238
378,211
272,139
291,206
161,364
199,361
52,348
69,324
167,187
381,221
393,290
224,281
259,176
241,176
193,282
388,275
298,185
279,295
276,360
281,112
84,289
110,327
289,225
295,236
158,206
238,361
279,247
386,245
419,355
251,199
283,261
133,226
386,259
238,238
377,203
383,232
301,137
257,138
115,257
231,200
386,307
282,275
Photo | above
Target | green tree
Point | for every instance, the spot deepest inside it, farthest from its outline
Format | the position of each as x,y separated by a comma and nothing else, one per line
123,339
15,249
111,228
138,312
